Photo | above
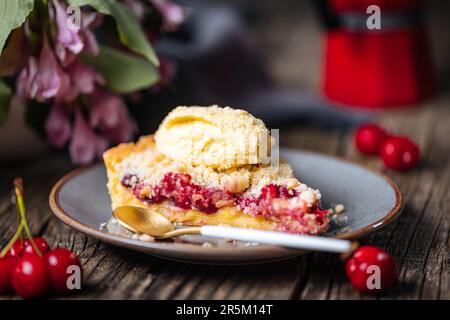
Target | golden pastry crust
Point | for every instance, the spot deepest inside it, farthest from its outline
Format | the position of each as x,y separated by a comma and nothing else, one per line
121,196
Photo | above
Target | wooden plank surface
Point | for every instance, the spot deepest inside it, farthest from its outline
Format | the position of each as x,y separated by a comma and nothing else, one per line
419,240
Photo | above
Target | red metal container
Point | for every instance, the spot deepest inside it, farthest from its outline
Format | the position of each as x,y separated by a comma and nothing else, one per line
378,68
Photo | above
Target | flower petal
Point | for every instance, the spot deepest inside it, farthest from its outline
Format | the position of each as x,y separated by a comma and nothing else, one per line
110,115
172,14
57,126
85,145
48,77
137,7
84,77
25,80
91,44
67,36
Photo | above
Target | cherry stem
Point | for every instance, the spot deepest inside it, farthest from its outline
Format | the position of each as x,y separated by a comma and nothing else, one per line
18,188
23,225
19,224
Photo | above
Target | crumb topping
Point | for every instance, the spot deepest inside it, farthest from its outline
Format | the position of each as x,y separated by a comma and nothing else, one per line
150,166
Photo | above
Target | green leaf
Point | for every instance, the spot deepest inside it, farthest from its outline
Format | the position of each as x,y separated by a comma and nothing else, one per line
13,14
130,31
5,101
124,73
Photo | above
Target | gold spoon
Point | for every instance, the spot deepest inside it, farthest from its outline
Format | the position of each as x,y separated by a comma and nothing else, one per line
146,221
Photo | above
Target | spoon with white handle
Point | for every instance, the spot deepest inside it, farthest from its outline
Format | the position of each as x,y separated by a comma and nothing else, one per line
146,221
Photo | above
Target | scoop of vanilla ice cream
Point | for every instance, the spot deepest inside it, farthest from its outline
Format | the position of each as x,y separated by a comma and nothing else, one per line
216,137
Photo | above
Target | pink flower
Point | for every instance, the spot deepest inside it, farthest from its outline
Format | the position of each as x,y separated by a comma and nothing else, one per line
57,126
137,7
84,77
81,80
48,78
40,80
66,92
86,36
25,79
172,14
91,44
85,145
67,35
90,20
111,116
65,56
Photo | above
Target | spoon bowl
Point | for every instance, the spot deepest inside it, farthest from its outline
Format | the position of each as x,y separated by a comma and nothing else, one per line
143,221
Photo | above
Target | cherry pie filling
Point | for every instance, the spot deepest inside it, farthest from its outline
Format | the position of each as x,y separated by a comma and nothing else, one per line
275,202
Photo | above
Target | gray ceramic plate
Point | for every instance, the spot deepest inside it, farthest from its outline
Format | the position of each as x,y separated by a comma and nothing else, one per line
372,200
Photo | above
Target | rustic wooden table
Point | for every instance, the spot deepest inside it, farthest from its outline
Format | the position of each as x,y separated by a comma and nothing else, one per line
419,240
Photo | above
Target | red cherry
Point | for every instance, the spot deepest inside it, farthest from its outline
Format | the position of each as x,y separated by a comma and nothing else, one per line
399,153
269,191
7,266
368,263
16,250
58,261
40,243
369,137
29,277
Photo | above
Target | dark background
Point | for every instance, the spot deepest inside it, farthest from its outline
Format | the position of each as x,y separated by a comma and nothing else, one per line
289,30
284,51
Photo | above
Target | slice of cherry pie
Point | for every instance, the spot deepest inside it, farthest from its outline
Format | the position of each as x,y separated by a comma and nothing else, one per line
249,196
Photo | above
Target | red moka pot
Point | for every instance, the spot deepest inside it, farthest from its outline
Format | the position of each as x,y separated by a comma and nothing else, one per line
377,68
